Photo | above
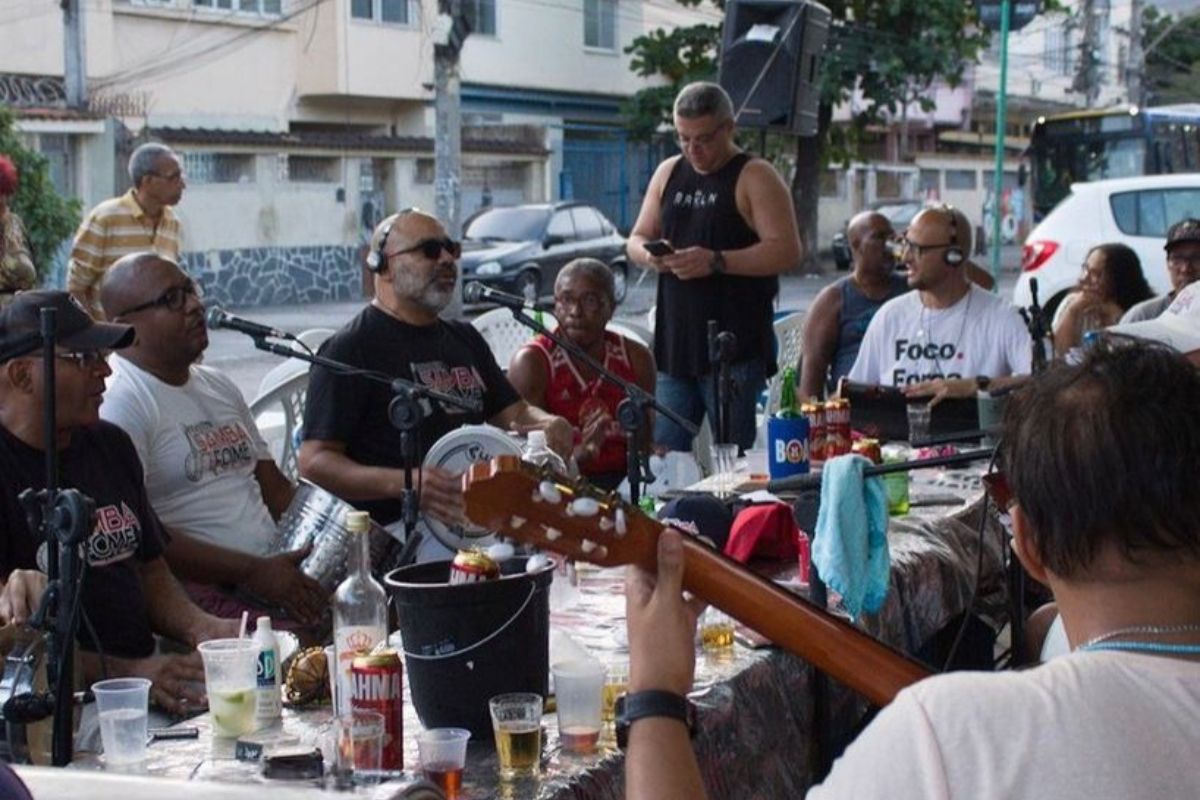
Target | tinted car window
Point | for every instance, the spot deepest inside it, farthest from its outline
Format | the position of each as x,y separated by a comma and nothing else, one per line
560,225
509,224
1151,212
587,223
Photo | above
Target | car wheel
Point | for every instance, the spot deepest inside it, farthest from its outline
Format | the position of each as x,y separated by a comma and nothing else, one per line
529,286
620,273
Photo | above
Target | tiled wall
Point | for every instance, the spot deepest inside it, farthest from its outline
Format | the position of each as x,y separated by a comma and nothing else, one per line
268,276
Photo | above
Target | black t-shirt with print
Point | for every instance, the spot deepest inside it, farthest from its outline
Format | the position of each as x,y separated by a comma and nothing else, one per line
102,463
448,356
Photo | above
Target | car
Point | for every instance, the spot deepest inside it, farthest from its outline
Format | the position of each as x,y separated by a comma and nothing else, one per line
899,212
1133,211
520,249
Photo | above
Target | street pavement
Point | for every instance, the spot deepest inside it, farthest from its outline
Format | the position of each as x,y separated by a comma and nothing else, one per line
234,352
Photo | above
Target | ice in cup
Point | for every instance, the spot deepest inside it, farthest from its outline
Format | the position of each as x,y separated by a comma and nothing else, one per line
230,680
123,706
517,725
443,753
579,692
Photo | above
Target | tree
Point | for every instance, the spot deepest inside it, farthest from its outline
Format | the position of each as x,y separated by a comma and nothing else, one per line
49,218
1172,66
885,51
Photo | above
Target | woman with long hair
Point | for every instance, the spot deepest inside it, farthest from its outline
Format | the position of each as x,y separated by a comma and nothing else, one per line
16,265
1112,282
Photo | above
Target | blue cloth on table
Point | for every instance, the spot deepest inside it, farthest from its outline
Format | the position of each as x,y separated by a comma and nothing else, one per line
850,548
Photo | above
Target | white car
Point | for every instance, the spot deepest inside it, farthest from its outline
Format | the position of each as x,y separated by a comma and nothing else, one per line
1133,211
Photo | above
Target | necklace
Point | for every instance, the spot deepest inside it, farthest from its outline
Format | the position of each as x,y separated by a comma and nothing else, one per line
1103,641
926,330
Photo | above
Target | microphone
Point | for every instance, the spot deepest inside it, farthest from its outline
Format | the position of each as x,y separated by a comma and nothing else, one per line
217,317
476,292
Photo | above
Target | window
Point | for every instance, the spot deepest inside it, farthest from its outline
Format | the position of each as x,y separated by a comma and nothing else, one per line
482,14
929,183
395,12
309,169
266,8
218,168
960,180
425,173
600,24
1057,53
587,223
1150,212
560,225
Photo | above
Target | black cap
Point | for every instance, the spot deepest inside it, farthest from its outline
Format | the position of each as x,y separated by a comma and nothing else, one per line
703,516
1182,232
76,329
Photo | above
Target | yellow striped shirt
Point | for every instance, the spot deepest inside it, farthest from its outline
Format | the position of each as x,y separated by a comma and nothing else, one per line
115,228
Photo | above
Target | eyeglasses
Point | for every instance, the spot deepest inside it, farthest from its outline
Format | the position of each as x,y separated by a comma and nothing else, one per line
173,299
907,244
87,359
590,302
431,248
700,140
1180,260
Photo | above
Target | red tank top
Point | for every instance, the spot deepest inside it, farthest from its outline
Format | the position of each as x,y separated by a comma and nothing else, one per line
569,396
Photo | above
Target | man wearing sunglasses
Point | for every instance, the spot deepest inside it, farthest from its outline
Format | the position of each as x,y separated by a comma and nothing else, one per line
949,327
142,219
350,448
729,220
209,474
129,593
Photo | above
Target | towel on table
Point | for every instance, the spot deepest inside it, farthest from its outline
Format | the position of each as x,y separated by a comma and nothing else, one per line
850,548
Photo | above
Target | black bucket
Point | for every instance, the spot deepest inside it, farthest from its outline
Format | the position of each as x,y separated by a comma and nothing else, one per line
466,643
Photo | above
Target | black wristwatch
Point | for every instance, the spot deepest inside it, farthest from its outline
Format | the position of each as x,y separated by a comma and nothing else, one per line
652,703
717,265
982,382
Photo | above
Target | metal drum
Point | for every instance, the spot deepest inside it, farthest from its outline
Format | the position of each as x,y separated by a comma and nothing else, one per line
318,518
24,663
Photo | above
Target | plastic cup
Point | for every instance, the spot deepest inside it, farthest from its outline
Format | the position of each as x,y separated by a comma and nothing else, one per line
616,683
579,692
918,422
358,737
230,680
123,705
331,666
716,631
443,753
725,467
517,725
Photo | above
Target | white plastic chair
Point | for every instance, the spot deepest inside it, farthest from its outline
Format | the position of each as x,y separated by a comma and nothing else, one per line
278,409
631,330
789,333
504,335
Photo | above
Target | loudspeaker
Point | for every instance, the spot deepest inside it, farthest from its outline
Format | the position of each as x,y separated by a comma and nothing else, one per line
781,41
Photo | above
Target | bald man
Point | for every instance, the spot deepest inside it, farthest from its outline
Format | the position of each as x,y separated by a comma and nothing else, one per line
839,316
949,327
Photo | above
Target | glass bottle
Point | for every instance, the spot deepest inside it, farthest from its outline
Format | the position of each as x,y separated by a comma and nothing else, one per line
359,608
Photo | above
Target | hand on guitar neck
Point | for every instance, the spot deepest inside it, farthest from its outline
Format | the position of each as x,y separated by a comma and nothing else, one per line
540,508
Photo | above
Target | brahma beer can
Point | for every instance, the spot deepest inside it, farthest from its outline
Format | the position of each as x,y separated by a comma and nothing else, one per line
377,684
837,427
815,412
473,566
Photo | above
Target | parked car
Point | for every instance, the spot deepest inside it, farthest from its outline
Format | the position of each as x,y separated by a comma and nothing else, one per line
899,212
1133,211
520,249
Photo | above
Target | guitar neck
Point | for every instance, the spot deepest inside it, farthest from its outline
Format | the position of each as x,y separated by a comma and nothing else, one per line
824,640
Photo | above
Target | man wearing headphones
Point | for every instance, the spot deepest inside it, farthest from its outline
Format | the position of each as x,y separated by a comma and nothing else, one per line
350,447
949,327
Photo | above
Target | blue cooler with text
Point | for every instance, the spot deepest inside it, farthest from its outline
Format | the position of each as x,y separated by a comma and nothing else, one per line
787,446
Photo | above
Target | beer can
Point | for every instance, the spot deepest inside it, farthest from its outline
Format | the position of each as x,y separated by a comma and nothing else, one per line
815,412
377,684
868,449
473,566
837,427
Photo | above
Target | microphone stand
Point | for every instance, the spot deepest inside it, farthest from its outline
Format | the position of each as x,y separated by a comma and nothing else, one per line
1039,327
813,479
720,351
405,413
631,412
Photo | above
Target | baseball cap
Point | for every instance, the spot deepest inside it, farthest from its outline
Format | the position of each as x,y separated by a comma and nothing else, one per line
1177,327
1182,232
76,328
703,516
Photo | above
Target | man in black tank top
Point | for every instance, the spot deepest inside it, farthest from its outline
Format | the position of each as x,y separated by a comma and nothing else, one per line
729,219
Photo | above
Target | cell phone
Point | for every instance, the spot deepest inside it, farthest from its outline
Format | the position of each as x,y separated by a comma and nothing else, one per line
177,732
659,247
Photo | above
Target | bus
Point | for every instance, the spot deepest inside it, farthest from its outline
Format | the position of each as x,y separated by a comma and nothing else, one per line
1115,142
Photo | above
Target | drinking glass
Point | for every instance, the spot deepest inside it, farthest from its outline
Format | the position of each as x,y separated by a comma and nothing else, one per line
443,753
724,466
230,680
517,725
716,631
616,683
358,745
918,422
579,692
123,705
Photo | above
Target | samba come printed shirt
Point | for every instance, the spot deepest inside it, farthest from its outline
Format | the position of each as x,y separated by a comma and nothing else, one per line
199,448
100,462
906,343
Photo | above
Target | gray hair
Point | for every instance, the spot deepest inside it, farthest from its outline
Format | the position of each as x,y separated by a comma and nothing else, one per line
593,269
143,159
703,99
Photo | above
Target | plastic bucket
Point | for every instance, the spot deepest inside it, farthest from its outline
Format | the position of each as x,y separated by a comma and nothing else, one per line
466,643
787,446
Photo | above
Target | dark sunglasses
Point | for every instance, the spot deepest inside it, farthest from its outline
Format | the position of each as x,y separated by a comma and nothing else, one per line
173,299
431,248
86,359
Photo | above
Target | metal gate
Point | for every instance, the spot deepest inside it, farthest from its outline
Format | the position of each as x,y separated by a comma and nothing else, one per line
595,169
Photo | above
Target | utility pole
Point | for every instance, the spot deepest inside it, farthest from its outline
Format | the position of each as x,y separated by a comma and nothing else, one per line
1087,78
447,129
1137,58
1001,124
75,66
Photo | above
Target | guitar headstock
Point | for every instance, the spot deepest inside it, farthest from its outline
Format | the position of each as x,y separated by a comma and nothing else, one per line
537,506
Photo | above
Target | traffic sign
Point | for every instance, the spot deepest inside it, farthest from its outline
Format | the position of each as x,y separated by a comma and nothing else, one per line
1023,12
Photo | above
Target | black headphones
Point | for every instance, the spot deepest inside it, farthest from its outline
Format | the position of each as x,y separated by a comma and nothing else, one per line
377,258
954,254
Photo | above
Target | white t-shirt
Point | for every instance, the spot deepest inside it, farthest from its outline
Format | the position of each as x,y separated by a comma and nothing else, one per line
199,447
906,342
1091,726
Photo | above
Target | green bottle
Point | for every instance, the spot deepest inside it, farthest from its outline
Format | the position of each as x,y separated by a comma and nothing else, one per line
787,395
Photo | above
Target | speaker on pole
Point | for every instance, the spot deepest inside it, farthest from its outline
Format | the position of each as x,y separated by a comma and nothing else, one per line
770,62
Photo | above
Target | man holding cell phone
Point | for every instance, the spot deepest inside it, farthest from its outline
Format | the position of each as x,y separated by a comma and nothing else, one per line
718,226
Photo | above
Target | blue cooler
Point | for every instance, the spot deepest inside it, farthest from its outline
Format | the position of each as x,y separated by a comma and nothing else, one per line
787,446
